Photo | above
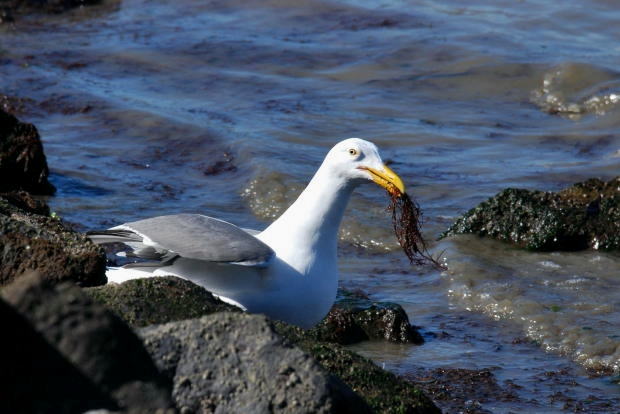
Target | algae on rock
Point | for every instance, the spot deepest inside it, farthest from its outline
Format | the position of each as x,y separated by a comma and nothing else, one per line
155,300
34,242
585,215
383,391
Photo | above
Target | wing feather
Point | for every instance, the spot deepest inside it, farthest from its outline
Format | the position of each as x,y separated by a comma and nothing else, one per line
193,236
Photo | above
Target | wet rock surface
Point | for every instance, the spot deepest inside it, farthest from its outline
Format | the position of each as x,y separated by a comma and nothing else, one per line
98,343
23,165
383,391
156,300
585,215
355,317
233,362
35,242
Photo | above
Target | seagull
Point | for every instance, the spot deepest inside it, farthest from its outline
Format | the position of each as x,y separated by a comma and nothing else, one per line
289,271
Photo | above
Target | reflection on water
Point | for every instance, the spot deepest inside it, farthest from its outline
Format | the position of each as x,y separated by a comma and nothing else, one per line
227,108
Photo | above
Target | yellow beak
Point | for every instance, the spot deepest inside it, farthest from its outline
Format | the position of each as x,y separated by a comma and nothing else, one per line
387,179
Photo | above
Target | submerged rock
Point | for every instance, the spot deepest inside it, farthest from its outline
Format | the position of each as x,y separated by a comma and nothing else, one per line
23,165
156,300
585,215
34,242
95,340
383,391
354,318
236,363
463,390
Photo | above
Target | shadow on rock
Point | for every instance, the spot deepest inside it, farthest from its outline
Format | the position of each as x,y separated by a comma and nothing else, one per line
36,378
93,339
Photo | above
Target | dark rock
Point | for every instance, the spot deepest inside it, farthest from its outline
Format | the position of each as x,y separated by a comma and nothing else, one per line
383,391
95,340
6,16
36,378
156,300
48,6
236,363
159,299
354,318
582,216
23,165
33,242
24,201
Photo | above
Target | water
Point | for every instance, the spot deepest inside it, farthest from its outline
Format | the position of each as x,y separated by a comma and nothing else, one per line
227,108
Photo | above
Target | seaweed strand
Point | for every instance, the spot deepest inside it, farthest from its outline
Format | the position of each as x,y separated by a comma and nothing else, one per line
406,219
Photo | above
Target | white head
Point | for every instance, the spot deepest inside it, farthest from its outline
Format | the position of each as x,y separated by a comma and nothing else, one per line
358,161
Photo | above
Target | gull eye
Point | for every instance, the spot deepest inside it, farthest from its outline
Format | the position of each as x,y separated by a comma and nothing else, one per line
352,152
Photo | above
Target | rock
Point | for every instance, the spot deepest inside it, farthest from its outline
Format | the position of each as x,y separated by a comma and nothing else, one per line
585,215
23,165
49,6
236,363
33,242
354,318
383,391
36,378
24,201
95,340
156,300
144,301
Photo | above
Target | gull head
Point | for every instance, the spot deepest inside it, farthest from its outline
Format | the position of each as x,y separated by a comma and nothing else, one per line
358,161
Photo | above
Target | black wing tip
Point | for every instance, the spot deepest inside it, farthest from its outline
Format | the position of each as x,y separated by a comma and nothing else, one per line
122,235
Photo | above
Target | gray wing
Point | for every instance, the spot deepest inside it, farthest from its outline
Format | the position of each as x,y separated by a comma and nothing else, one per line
192,236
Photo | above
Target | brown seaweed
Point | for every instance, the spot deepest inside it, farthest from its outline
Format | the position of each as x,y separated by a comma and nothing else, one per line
407,219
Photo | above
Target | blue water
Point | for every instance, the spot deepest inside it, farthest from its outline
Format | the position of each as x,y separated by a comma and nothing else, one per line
135,100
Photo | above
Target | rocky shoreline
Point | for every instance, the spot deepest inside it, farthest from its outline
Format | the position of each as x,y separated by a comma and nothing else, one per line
166,345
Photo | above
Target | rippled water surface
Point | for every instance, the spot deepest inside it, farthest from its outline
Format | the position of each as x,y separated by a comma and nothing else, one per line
227,108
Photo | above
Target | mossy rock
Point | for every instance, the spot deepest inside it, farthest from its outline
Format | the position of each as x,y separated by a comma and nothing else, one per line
156,300
355,317
383,391
585,215
148,301
35,242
